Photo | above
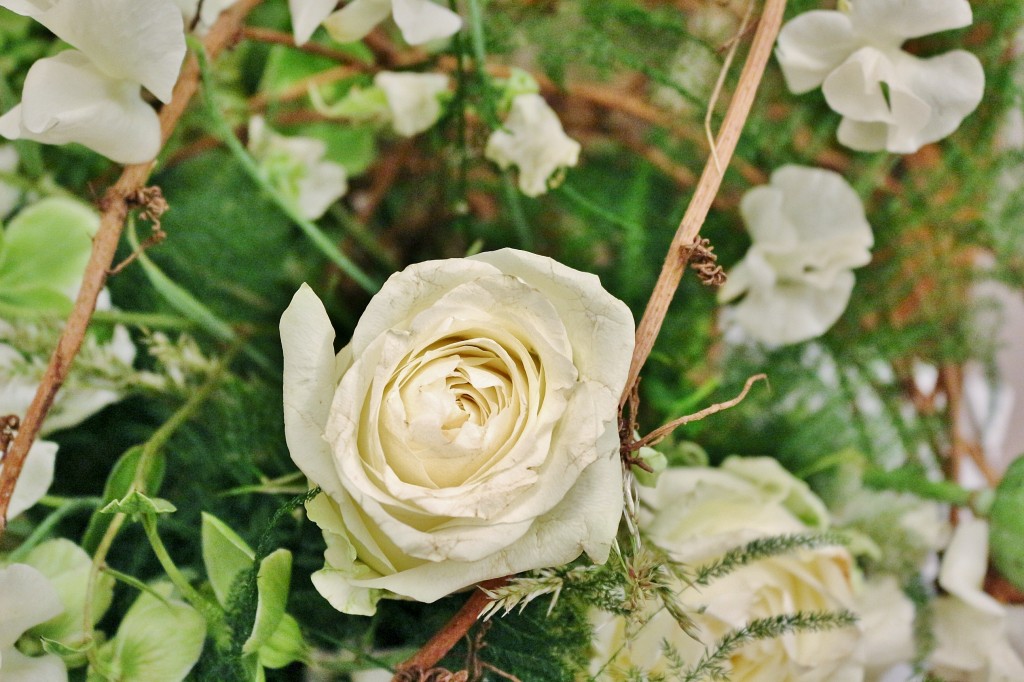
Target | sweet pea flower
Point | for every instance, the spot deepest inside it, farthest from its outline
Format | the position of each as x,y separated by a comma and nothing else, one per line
419,20
889,98
27,599
92,94
295,166
414,99
532,139
808,230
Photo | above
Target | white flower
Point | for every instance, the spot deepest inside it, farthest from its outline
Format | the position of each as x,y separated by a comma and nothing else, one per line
26,599
971,626
9,194
36,475
208,12
532,139
808,230
696,515
413,99
296,167
889,98
91,94
468,431
419,20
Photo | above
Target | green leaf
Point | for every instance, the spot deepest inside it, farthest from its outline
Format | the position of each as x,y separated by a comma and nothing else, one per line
46,246
285,646
118,483
138,503
225,555
1007,525
67,566
272,584
156,642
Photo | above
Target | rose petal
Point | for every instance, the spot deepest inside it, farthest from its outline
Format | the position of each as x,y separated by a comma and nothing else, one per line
356,19
811,46
307,15
902,19
67,100
422,21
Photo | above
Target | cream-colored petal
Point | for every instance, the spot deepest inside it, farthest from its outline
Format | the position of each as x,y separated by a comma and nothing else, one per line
964,565
26,599
422,20
35,478
854,88
792,312
811,194
307,15
17,667
812,45
902,19
66,99
861,136
356,19
413,99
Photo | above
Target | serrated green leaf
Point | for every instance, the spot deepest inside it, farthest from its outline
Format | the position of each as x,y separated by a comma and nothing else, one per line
285,646
272,583
1006,525
138,503
118,483
225,555
156,642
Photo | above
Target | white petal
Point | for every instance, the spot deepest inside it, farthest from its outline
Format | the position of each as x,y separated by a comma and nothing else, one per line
323,184
35,478
17,667
813,44
950,85
964,565
66,99
863,137
26,599
307,15
902,19
28,8
412,99
136,40
422,21
854,88
814,193
791,313
356,19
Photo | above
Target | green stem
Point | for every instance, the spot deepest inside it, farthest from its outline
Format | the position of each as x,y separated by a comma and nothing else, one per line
515,205
152,320
42,531
477,35
222,130
358,232
911,481
211,612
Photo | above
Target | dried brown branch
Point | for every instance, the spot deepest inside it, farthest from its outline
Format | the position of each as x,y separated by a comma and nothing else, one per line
424,660
114,207
707,188
268,35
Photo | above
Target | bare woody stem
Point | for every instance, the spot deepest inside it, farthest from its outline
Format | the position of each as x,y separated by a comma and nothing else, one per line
707,189
114,207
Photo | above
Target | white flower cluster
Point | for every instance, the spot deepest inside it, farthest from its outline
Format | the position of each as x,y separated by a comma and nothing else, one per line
92,94
419,20
889,98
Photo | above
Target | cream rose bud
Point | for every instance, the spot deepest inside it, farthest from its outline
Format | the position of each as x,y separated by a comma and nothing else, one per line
696,515
467,431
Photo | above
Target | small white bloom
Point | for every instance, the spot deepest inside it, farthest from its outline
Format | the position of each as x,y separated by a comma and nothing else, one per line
889,98
414,99
9,194
26,599
808,230
533,140
208,12
296,167
468,430
419,20
970,625
91,95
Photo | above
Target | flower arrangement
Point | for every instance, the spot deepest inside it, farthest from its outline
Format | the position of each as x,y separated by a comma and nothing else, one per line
379,359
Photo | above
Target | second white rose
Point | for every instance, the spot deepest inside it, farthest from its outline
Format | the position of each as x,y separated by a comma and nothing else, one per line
468,431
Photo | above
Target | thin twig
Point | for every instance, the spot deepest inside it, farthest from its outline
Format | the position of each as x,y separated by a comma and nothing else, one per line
268,35
734,44
114,210
707,188
657,434
448,636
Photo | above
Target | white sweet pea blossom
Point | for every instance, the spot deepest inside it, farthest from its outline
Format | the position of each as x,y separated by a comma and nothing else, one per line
295,166
532,139
889,98
414,99
467,431
91,95
970,625
808,230
419,20
27,599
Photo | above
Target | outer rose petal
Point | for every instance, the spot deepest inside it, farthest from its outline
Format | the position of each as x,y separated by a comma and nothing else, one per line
66,99
35,478
422,21
307,15
356,19
811,46
902,19
137,40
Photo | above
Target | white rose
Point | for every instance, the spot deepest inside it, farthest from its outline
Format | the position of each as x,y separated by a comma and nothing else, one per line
468,431
697,514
